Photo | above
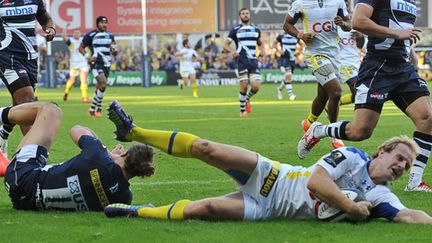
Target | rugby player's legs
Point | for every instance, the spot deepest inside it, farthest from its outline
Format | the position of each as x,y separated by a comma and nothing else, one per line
44,119
329,89
227,207
420,113
236,161
20,81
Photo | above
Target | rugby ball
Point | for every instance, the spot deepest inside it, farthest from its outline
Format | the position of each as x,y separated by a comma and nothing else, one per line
328,213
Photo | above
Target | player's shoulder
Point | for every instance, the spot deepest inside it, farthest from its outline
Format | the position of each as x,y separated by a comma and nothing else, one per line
355,151
237,27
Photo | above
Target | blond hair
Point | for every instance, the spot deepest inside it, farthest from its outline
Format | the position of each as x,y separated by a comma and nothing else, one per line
391,144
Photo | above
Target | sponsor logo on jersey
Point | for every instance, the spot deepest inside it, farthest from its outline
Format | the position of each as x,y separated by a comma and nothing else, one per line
327,26
19,10
97,185
334,158
77,195
269,182
404,6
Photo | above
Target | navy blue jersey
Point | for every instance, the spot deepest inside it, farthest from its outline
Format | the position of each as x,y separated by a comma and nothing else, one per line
288,44
394,14
100,46
17,28
89,181
245,37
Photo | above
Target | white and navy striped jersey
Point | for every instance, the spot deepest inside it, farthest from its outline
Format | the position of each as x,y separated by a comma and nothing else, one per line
246,38
18,28
288,44
394,14
100,46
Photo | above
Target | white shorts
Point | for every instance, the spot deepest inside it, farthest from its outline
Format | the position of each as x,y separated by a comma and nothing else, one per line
324,68
259,189
185,72
347,72
79,65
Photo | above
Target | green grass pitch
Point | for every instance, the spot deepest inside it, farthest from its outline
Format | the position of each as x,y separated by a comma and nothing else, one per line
272,129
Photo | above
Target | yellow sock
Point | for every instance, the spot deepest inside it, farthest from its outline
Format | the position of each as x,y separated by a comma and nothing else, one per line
312,118
194,89
176,143
36,92
84,90
346,99
172,211
68,88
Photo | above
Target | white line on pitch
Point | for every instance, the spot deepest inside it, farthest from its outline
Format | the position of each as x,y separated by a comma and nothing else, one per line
158,183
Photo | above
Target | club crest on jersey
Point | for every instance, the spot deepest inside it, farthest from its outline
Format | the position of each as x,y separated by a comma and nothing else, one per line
334,158
320,3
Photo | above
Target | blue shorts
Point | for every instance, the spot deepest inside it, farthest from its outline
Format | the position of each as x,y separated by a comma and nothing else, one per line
246,65
383,79
286,63
98,69
22,176
18,73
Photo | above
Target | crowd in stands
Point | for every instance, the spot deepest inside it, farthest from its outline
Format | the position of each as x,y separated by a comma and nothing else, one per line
163,59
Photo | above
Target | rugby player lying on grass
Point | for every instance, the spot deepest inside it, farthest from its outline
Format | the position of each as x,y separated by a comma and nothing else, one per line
270,190
89,181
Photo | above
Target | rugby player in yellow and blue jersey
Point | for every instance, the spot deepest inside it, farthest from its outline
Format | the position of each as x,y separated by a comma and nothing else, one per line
268,189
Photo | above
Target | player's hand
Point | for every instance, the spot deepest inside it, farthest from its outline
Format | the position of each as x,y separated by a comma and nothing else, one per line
234,54
308,37
50,33
91,59
361,209
338,20
408,34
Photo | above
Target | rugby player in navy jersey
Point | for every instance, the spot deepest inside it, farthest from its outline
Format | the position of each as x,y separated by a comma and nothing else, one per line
90,180
268,189
19,52
246,37
386,73
102,45
287,48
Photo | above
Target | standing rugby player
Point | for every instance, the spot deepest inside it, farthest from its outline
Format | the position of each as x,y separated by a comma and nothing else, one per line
246,37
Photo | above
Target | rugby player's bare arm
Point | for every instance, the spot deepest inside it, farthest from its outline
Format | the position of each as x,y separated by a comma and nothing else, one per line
228,48
47,24
412,216
77,131
362,22
322,186
292,30
82,49
343,22
64,34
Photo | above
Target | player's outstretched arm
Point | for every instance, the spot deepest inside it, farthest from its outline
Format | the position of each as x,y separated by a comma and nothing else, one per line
322,186
413,216
77,131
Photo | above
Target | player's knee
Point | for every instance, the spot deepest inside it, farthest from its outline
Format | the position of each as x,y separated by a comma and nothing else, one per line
53,110
424,122
361,133
203,148
204,210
